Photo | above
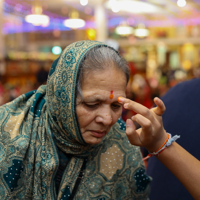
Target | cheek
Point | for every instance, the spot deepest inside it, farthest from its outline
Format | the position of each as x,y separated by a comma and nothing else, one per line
84,117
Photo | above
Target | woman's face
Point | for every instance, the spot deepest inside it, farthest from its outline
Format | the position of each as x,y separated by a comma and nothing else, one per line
100,109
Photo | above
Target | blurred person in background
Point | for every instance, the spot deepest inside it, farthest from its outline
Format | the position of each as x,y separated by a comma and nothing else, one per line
42,75
14,92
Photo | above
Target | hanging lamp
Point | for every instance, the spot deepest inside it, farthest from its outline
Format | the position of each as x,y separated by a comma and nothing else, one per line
74,21
124,29
181,3
37,18
83,2
141,31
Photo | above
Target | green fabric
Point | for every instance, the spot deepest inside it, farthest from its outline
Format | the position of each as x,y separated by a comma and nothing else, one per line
37,125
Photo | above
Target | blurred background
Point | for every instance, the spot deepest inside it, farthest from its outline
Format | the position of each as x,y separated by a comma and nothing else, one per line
160,39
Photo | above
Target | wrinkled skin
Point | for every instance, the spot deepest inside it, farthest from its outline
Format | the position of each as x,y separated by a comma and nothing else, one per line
97,112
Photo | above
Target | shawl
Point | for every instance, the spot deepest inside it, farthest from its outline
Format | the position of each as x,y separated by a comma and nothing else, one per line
38,127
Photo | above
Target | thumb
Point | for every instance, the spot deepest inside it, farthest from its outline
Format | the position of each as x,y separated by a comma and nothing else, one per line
160,109
132,133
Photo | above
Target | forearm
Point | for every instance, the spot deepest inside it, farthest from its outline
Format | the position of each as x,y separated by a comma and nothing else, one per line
152,136
184,166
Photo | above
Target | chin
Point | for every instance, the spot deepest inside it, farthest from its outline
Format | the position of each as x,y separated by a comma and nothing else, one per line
94,141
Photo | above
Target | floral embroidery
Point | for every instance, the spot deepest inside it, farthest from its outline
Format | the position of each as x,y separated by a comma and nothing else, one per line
64,76
62,95
78,44
70,57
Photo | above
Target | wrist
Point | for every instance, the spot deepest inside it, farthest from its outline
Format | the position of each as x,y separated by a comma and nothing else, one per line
158,144
166,144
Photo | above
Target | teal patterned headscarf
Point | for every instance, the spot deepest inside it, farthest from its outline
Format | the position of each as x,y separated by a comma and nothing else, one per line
39,132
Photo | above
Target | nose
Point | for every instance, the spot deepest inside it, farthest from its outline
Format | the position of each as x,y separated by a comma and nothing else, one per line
104,116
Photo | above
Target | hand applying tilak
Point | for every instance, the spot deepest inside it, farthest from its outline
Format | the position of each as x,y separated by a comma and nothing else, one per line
151,135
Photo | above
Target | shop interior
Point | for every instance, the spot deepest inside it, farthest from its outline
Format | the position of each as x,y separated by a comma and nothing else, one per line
160,39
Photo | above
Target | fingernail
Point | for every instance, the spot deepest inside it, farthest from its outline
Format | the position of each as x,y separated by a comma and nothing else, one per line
158,100
126,105
133,117
120,99
128,122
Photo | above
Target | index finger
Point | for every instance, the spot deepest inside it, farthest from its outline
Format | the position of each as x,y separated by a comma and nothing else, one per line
123,100
132,105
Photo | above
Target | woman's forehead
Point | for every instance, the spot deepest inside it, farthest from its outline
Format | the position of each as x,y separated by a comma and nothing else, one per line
109,81
107,68
106,74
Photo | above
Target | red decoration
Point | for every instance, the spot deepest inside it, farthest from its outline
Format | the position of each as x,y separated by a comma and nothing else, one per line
111,94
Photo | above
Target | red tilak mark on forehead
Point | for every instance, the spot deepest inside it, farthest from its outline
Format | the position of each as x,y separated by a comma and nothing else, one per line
111,94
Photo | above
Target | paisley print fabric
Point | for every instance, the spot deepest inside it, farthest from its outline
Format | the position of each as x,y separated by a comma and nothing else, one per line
37,126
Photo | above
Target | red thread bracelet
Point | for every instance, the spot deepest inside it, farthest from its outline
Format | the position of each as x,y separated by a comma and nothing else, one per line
163,143
158,151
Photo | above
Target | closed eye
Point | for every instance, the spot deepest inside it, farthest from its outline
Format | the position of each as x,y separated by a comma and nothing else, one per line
116,106
92,106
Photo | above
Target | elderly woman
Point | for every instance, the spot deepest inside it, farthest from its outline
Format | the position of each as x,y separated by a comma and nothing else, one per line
65,140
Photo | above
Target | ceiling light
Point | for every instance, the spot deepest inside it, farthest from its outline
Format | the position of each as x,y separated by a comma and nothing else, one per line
181,3
124,29
141,31
114,6
74,21
83,2
132,6
37,18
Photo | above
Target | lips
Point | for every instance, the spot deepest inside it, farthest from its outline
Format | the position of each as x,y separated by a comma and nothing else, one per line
98,134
